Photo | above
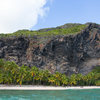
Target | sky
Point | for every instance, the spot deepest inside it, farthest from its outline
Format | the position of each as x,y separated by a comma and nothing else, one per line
36,14
70,11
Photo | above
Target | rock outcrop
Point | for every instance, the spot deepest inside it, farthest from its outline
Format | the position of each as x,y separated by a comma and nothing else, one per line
67,54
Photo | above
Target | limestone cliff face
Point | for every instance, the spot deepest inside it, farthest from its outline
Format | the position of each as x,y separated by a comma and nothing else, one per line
67,54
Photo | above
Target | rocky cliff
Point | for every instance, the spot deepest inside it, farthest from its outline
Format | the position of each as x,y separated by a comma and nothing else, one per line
68,54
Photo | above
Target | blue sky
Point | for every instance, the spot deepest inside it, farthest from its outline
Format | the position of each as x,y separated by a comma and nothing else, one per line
36,14
70,11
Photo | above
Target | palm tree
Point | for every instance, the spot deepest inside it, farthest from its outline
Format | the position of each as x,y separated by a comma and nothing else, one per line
39,76
79,79
7,76
97,83
46,75
14,72
92,77
64,80
57,76
1,78
52,79
72,80
34,71
88,79
22,73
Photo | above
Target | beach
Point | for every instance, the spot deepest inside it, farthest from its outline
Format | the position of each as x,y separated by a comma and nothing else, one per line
31,87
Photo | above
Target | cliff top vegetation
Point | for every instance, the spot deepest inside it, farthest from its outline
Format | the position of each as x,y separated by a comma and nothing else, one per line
67,29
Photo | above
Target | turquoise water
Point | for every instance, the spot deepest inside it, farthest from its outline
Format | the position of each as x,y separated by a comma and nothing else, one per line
93,94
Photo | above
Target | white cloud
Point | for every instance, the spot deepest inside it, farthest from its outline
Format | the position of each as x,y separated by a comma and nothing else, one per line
20,14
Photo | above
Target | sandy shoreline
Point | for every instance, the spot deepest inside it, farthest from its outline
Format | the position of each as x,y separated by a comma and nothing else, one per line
31,87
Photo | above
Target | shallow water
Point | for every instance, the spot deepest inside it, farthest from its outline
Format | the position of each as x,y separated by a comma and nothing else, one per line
92,94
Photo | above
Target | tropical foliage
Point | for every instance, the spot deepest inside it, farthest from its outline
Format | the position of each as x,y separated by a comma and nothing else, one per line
70,29
10,73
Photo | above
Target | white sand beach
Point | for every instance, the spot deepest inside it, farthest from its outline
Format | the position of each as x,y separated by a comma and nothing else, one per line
31,87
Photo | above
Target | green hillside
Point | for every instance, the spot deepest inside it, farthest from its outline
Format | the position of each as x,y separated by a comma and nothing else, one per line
61,30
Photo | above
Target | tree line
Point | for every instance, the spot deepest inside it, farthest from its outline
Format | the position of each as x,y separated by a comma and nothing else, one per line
12,74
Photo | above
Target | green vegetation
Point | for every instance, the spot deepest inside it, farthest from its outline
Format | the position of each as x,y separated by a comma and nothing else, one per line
70,29
10,73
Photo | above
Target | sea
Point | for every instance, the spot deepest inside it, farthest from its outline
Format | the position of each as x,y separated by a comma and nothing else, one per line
86,94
